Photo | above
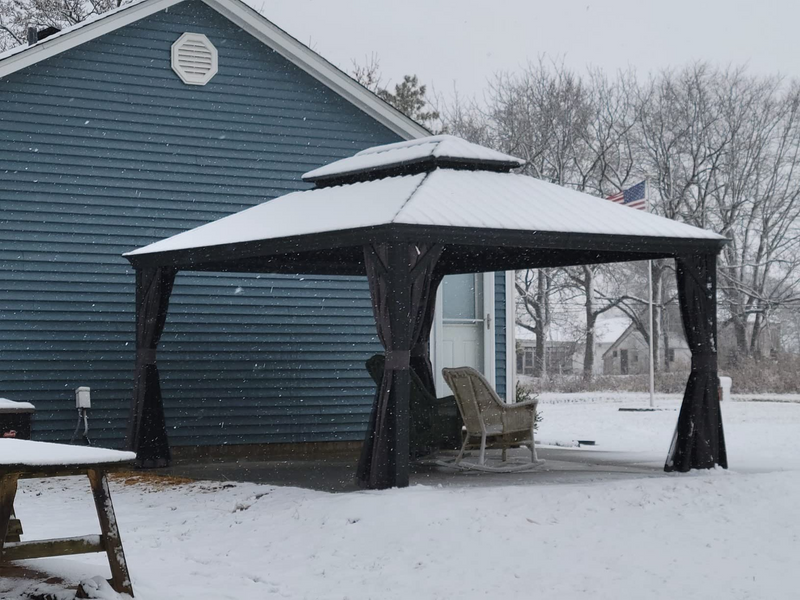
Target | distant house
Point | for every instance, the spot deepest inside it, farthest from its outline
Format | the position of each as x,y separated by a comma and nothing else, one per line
561,358
153,119
565,356
629,353
607,332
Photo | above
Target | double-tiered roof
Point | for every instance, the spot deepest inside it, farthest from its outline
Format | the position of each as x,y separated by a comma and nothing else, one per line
439,187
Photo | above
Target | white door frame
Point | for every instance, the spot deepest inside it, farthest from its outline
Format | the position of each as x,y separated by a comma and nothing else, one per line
437,333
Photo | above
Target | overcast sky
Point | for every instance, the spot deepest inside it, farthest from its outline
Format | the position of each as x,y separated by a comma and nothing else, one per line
466,41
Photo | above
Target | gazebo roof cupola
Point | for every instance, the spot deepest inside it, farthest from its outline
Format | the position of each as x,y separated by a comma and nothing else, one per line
412,157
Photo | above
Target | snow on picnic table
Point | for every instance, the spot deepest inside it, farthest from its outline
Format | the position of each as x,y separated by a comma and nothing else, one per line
42,454
719,534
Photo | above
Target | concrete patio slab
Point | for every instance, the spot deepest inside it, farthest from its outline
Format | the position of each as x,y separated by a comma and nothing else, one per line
562,466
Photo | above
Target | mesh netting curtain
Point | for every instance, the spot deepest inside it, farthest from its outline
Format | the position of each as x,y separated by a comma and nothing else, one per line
699,442
147,431
402,284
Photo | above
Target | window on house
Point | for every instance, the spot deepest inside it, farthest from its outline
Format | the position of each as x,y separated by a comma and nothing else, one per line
614,354
529,358
671,355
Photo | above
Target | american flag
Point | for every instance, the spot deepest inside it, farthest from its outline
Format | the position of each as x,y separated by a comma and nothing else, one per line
634,197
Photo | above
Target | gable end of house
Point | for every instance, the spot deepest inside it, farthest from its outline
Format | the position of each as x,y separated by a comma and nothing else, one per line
246,19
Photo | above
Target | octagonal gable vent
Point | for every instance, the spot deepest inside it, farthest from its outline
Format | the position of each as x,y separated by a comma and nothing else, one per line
194,59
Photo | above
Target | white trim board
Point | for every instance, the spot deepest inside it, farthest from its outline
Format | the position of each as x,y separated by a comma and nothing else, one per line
435,345
489,329
250,21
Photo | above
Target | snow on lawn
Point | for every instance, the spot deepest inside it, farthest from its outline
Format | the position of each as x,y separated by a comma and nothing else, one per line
760,436
720,534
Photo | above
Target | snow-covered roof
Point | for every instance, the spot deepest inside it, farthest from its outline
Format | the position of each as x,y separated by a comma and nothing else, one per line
443,198
555,334
241,15
442,148
606,331
609,329
45,454
520,333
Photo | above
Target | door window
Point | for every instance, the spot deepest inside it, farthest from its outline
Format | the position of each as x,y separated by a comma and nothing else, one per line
462,298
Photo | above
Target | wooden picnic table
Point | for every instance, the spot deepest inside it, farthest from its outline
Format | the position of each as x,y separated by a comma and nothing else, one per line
25,459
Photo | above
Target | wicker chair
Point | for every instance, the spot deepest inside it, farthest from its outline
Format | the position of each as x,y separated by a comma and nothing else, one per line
490,422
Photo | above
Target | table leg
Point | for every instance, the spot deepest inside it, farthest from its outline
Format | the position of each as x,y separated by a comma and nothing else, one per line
8,489
14,528
120,579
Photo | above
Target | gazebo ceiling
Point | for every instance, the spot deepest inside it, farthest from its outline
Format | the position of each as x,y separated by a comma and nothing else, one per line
487,220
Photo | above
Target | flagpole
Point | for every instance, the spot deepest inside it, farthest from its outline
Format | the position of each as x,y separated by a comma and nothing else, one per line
650,304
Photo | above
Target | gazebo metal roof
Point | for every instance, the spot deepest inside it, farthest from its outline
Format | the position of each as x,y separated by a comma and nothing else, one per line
472,209
405,215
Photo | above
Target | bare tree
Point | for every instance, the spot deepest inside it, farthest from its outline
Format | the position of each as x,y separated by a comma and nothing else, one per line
409,96
17,15
534,291
368,73
721,149
606,164
585,279
466,119
574,132
757,206
540,115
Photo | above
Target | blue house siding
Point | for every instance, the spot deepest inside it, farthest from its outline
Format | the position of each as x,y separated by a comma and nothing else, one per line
294,374
500,333
104,149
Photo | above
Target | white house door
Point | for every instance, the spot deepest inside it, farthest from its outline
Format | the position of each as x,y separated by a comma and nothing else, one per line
464,326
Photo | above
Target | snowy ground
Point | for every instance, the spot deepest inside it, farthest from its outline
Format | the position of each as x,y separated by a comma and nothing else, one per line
723,534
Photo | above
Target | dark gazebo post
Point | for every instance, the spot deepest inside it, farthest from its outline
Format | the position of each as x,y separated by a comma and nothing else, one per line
699,441
401,282
398,356
147,431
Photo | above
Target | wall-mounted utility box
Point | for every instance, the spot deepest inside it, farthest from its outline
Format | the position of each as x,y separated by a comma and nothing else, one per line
83,398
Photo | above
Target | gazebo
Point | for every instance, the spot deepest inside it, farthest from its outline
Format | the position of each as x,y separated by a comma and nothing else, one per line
405,215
